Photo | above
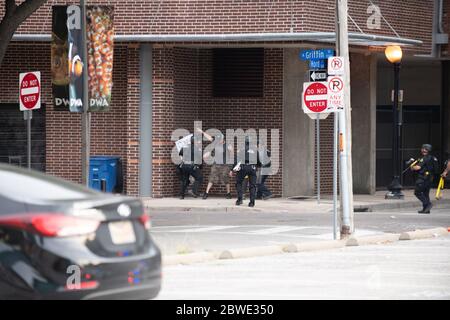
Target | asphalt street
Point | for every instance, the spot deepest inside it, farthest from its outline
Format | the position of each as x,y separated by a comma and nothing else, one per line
417,269
184,232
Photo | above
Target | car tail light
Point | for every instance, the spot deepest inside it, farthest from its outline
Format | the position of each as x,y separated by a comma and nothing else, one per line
145,220
86,285
51,225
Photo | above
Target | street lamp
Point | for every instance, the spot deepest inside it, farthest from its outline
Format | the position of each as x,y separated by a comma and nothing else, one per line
394,56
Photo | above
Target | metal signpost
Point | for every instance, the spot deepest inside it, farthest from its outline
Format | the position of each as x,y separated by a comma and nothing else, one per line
317,59
326,94
315,104
29,99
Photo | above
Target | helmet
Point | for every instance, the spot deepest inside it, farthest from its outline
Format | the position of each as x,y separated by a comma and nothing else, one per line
427,147
220,137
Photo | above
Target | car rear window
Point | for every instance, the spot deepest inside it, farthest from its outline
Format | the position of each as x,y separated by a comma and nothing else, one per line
23,184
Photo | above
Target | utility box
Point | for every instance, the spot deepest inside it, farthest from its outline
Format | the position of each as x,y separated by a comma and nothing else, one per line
105,174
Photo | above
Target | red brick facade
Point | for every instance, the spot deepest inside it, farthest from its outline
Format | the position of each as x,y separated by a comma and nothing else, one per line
446,26
251,16
182,94
182,77
63,130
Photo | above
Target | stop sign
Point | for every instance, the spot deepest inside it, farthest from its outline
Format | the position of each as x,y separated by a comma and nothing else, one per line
30,90
315,98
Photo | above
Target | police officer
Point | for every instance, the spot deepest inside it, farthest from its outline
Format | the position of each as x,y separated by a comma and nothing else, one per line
424,171
188,167
447,167
246,167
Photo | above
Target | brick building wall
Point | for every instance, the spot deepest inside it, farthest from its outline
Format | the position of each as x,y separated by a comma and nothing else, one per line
175,106
446,25
63,129
181,76
245,113
182,94
411,19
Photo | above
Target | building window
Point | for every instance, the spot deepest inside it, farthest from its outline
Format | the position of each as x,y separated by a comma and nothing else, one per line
238,72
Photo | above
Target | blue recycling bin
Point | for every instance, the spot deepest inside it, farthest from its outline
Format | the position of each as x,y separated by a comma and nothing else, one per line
104,173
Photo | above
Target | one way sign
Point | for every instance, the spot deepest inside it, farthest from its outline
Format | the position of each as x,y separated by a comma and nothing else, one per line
318,75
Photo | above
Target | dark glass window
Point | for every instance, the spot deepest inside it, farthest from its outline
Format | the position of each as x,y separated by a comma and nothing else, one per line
238,72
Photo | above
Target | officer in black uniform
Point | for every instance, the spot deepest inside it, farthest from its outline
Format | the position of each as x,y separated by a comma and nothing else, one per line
188,167
446,166
424,178
246,167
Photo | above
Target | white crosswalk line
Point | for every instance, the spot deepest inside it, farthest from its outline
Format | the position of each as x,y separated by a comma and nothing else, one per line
205,229
277,230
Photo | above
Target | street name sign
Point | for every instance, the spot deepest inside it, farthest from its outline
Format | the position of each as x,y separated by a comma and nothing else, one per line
317,64
319,54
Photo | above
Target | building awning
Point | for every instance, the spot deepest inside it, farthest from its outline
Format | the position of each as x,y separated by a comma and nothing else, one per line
360,39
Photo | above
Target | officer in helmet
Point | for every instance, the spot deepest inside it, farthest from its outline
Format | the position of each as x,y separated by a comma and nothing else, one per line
189,167
424,177
245,165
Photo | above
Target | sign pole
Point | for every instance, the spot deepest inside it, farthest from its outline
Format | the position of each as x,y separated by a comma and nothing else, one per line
318,156
346,181
335,173
85,117
28,115
29,99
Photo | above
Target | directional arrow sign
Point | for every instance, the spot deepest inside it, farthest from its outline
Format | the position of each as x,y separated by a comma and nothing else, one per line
317,75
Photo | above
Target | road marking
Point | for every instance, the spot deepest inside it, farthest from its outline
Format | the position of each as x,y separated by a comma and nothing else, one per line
205,229
276,230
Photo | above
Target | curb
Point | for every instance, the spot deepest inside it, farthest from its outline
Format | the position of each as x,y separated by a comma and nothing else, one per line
198,257
236,209
189,258
250,252
376,239
423,234
313,246
396,204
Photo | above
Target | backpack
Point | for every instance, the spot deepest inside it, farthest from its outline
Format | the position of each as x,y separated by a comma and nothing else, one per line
435,169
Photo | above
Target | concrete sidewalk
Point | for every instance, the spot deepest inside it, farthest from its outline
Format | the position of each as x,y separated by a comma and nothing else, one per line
362,203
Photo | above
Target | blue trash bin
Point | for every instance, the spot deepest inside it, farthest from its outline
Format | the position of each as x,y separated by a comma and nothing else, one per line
103,173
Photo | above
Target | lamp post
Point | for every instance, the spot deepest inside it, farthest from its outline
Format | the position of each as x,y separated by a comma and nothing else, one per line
394,56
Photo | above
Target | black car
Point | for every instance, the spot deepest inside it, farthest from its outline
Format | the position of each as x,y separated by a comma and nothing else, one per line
60,240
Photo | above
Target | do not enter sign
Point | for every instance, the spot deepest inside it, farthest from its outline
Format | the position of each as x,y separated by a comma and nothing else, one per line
315,97
30,90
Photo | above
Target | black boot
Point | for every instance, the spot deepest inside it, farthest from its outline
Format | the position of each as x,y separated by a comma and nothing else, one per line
238,202
182,197
427,209
205,196
251,204
228,196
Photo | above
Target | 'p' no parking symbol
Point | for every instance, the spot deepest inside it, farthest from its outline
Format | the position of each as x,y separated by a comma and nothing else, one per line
336,84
